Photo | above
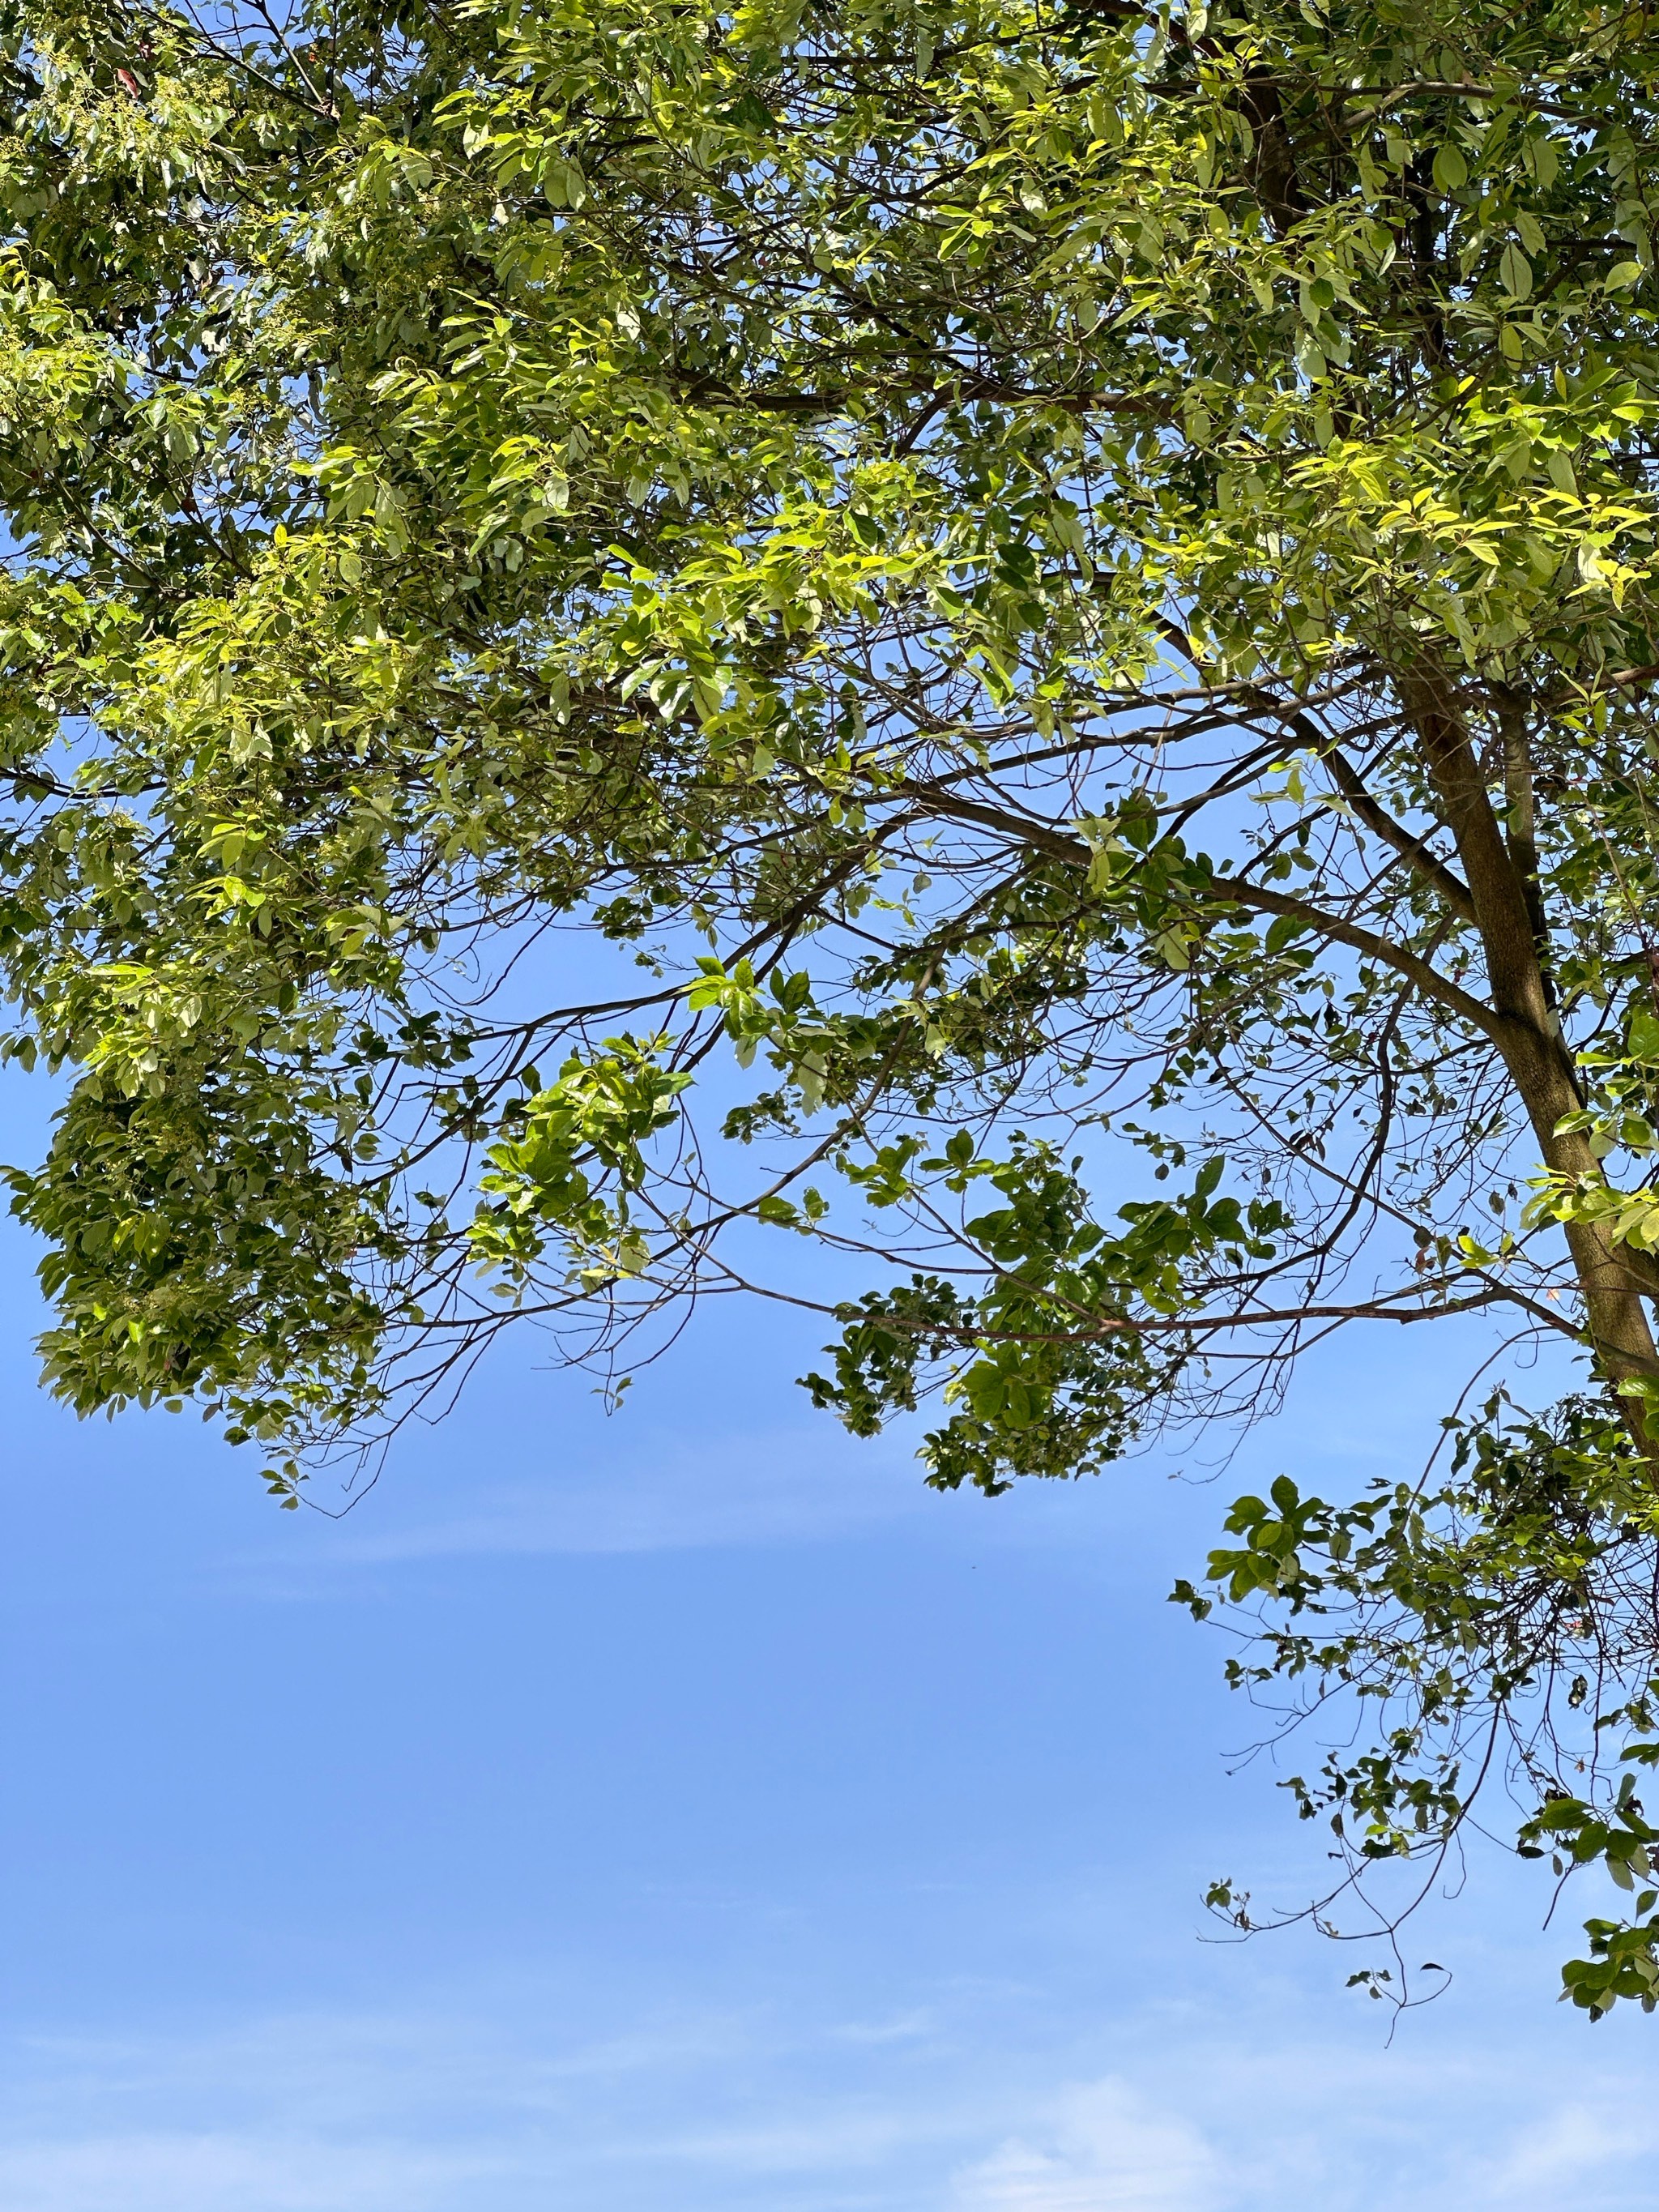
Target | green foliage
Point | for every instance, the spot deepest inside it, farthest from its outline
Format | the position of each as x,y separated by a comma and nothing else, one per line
1029,601
1484,1618
1052,1370
601,1114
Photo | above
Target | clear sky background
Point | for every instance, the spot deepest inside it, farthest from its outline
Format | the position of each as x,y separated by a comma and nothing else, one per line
688,1812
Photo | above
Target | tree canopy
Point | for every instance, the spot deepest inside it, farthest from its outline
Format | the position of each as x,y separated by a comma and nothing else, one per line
1054,605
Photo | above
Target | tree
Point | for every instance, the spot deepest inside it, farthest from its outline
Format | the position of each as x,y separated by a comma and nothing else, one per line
1074,584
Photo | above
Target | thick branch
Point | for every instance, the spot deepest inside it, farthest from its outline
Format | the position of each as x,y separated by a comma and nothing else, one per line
1228,890
1425,863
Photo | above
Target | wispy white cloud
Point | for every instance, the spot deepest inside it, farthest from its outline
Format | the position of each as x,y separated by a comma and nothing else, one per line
239,2171
429,2113
901,2027
666,1495
1107,2148
495,2105
1601,2146
1238,2125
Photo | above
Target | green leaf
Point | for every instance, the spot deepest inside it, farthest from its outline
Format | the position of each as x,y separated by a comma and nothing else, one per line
1514,272
1451,171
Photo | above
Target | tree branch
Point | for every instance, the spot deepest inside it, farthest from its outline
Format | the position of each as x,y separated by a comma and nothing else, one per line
1448,887
1231,890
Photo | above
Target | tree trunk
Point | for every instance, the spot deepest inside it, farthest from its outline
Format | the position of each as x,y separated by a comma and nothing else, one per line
1507,915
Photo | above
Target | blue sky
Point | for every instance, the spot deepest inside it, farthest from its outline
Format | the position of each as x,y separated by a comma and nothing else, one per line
688,1812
